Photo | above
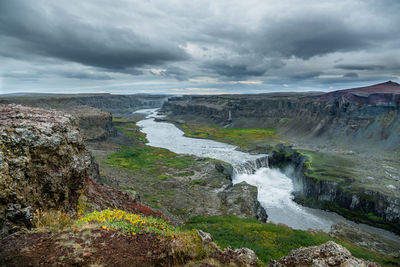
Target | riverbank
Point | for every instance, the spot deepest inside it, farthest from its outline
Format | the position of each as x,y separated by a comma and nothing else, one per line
181,186
357,185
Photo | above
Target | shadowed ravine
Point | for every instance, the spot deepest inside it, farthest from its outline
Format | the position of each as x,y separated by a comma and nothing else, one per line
274,188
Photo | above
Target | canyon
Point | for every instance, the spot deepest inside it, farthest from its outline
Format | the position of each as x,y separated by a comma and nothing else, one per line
343,145
340,150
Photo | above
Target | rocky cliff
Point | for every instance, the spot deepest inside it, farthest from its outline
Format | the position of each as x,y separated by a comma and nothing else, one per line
43,163
357,203
93,111
118,105
360,116
95,125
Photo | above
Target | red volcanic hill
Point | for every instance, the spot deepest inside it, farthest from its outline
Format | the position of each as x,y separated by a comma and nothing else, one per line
388,92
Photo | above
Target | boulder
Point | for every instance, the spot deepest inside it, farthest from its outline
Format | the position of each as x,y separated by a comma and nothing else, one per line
328,254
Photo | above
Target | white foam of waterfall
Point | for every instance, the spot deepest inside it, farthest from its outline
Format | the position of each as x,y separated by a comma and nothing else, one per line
250,167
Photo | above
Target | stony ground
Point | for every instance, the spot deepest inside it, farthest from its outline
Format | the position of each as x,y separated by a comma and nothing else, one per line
87,247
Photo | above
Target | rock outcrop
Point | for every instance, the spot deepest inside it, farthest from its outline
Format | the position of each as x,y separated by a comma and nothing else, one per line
43,163
241,200
95,125
328,254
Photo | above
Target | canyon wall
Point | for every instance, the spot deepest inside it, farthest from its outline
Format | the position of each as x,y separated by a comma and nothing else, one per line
347,118
367,206
118,105
93,111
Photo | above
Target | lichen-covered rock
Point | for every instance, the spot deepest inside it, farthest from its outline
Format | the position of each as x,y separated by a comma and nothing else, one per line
43,163
328,254
241,200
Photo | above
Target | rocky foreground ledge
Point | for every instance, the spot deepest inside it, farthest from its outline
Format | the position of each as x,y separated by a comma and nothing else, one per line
43,163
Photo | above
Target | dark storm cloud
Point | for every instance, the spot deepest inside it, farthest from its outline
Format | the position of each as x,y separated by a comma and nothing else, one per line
198,44
85,75
351,75
360,67
27,29
306,76
234,71
309,36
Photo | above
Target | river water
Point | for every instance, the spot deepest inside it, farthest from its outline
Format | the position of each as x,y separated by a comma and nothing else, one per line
274,188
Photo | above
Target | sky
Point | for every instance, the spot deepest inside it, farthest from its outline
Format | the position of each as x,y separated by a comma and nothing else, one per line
197,47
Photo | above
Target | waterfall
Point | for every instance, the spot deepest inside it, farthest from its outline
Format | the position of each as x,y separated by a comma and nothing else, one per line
251,166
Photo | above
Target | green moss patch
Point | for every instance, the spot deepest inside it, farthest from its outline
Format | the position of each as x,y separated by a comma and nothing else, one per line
131,130
149,160
245,138
327,167
143,159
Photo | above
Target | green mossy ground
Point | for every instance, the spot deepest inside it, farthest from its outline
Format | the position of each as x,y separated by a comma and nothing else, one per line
248,139
148,160
322,166
353,173
271,241
142,159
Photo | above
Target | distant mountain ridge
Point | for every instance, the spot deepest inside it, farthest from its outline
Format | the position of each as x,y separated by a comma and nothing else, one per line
387,92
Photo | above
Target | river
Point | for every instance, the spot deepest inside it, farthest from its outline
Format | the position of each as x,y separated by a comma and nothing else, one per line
274,188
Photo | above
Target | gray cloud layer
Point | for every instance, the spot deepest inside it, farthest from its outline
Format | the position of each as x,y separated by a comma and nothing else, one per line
184,46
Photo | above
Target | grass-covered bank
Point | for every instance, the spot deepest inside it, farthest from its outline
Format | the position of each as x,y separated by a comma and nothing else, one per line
148,160
248,139
270,241
142,159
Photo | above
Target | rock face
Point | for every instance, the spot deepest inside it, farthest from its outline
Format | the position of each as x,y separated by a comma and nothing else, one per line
43,163
322,192
95,125
118,105
352,117
328,254
241,200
